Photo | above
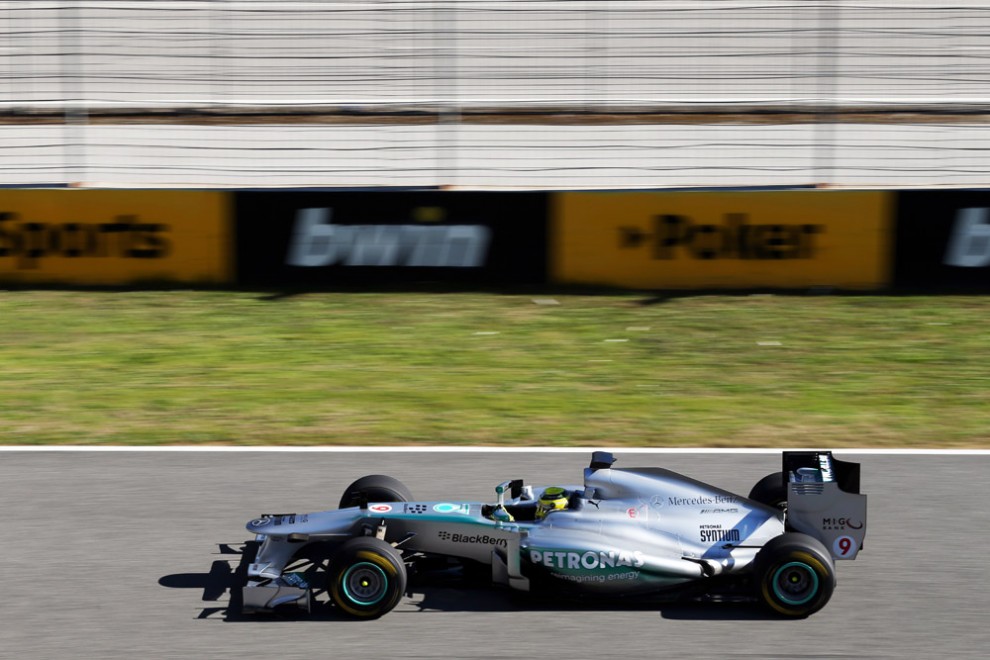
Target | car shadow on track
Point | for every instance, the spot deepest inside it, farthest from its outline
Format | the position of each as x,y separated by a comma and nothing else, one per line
471,591
448,590
479,599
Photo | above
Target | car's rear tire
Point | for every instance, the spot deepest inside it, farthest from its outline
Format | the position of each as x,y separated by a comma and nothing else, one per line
375,488
366,577
771,490
795,575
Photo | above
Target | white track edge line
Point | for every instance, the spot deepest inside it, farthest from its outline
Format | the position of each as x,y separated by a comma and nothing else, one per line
482,450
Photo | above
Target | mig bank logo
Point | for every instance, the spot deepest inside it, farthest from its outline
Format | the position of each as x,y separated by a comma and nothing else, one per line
842,523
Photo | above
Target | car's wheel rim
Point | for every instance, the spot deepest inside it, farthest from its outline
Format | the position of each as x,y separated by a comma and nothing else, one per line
795,583
364,584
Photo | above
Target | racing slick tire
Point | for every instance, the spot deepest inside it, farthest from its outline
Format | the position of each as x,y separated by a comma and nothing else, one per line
795,575
375,488
366,577
771,490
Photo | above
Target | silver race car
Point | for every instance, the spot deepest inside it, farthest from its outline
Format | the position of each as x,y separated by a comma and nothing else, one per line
643,533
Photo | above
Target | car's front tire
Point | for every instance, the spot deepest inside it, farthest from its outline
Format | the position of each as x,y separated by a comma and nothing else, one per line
366,577
795,575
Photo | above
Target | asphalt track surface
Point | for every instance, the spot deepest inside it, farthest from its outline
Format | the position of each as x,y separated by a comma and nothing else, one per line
119,555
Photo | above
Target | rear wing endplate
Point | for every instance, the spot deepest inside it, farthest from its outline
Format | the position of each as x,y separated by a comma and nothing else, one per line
823,500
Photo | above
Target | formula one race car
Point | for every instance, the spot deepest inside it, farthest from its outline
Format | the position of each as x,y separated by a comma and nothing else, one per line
623,533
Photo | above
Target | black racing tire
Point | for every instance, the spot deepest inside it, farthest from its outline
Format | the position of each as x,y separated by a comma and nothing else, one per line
375,488
771,490
366,577
795,575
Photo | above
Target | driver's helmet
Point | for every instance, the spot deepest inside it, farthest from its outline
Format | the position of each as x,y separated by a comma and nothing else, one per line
554,498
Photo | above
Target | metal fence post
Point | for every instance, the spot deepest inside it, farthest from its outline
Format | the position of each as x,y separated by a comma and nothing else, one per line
448,110
828,81
75,113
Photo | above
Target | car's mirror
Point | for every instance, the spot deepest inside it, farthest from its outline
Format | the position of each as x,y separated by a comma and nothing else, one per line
500,492
514,488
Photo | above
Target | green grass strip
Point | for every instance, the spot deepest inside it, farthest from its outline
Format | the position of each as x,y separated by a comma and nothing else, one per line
244,368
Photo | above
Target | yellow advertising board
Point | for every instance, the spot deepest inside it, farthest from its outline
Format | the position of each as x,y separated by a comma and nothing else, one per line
722,240
115,237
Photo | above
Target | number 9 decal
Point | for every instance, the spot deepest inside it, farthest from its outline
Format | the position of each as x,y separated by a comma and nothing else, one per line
843,546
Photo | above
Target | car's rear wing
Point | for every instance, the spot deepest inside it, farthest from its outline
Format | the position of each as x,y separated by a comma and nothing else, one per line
823,500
